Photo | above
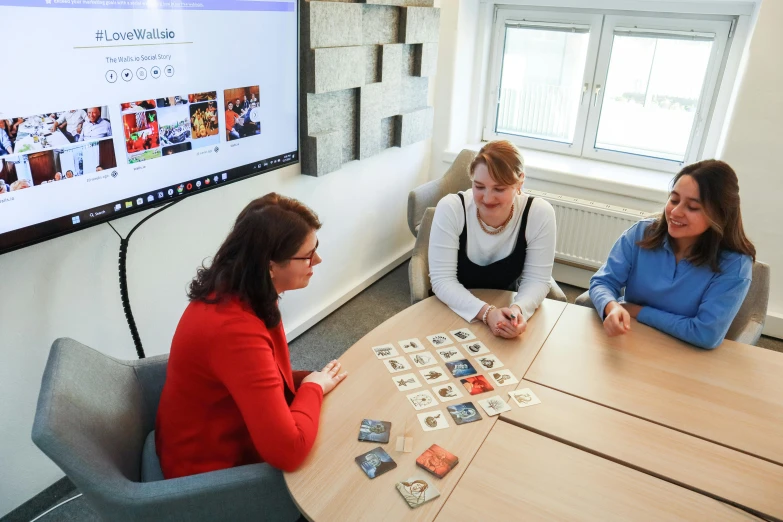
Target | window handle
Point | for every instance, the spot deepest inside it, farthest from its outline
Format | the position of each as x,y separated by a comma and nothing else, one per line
585,88
596,92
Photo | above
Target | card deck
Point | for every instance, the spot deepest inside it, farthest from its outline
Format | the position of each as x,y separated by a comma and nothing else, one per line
440,339
397,364
434,375
433,420
417,490
451,353
437,461
475,348
406,382
503,377
421,400
423,359
385,351
464,413
447,392
411,345
461,368
463,334
375,462
490,362
524,397
374,431
476,384
494,405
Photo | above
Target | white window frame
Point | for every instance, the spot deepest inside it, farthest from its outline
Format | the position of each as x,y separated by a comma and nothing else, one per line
596,69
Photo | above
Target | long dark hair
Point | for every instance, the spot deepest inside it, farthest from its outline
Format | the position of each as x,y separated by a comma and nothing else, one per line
270,228
720,199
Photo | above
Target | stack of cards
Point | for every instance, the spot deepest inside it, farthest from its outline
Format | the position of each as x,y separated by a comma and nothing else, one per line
437,461
374,431
375,462
417,490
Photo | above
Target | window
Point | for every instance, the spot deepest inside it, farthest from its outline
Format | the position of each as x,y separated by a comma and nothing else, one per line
628,89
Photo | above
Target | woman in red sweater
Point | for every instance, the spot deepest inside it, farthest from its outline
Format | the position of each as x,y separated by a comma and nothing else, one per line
230,397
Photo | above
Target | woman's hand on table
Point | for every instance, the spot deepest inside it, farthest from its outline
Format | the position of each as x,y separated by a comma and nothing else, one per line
617,320
327,378
506,322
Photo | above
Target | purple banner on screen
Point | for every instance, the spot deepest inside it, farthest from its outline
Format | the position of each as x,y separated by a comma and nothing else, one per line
179,5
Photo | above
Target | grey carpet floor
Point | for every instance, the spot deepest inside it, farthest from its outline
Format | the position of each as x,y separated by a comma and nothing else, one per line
323,342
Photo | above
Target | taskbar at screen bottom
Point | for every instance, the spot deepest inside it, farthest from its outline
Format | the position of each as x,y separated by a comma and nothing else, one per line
27,236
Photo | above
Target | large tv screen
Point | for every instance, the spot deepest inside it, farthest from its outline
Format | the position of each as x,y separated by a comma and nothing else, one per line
109,107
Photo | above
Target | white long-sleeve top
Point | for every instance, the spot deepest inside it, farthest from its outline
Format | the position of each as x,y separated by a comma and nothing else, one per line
484,249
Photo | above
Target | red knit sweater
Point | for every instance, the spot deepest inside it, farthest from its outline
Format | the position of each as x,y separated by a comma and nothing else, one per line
224,401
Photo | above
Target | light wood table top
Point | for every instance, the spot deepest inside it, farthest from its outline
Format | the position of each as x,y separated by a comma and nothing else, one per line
520,475
331,486
732,395
711,469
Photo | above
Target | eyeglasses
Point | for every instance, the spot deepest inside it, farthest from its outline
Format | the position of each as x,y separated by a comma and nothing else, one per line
309,258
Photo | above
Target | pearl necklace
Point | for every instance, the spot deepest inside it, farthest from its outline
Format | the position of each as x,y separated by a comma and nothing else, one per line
500,228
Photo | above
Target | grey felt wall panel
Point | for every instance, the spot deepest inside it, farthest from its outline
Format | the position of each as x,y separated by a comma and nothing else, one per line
414,126
339,68
426,60
335,24
328,149
419,24
380,24
372,63
401,3
370,97
414,93
335,111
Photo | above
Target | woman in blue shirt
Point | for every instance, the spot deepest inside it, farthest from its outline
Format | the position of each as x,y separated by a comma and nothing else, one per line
685,272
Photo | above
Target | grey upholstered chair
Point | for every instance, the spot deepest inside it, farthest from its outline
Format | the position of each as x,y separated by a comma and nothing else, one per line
419,267
749,322
95,420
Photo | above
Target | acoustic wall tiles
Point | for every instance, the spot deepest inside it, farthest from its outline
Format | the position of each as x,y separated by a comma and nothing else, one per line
365,71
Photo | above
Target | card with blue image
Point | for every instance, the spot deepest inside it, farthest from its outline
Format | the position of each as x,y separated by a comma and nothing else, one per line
461,368
464,413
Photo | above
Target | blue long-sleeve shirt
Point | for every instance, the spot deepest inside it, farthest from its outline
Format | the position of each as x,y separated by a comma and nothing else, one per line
689,302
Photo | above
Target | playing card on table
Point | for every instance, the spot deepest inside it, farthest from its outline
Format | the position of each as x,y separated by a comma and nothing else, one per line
421,400
464,413
494,405
437,461
385,351
503,377
423,359
451,353
476,384
374,431
397,364
461,368
524,397
406,382
375,462
434,375
440,339
463,334
490,362
411,345
433,420
447,392
475,348
417,490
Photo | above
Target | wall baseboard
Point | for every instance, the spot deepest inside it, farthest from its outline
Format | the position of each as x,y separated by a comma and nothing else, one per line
337,303
773,326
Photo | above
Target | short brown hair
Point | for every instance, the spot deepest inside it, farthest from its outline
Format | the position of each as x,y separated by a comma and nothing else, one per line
270,228
503,160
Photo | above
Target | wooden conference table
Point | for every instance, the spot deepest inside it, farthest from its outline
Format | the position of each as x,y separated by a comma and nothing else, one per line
641,427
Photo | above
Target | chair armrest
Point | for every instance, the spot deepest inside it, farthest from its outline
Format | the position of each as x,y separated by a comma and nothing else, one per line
584,300
418,278
151,374
750,333
421,198
555,292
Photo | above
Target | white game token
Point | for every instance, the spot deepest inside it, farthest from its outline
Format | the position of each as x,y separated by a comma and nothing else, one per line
411,345
433,420
421,400
440,339
406,382
422,360
463,334
385,351
489,362
494,405
503,377
450,353
434,375
397,364
447,392
524,397
475,348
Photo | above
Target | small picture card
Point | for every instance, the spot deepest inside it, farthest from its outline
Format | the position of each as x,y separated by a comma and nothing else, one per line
490,362
423,359
503,377
375,462
411,345
397,364
461,368
440,339
524,397
385,351
464,413
433,420
437,461
374,431
447,392
406,382
451,353
421,400
463,334
476,384
494,405
417,490
475,348
434,375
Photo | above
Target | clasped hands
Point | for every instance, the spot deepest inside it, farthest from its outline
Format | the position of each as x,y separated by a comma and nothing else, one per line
506,322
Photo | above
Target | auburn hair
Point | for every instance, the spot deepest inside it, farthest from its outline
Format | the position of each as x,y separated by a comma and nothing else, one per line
270,228
720,201
503,160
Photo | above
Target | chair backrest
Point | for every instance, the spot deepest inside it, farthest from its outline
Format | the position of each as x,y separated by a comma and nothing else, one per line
754,307
419,266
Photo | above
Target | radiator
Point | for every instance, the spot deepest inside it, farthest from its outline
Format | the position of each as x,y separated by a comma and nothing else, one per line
586,230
